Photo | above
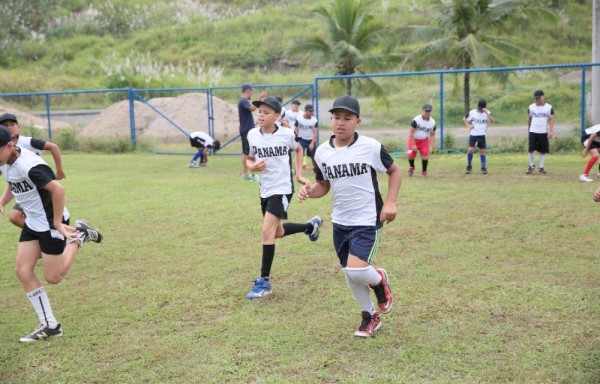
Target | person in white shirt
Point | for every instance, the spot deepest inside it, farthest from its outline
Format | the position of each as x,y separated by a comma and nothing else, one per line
290,115
477,121
541,129
202,142
270,148
307,129
347,164
421,138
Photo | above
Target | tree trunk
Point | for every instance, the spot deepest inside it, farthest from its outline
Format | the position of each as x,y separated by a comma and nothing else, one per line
467,86
349,87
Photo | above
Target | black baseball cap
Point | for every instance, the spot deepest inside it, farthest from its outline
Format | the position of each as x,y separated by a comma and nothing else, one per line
296,102
8,116
270,101
482,103
538,93
309,108
5,136
347,103
427,107
246,86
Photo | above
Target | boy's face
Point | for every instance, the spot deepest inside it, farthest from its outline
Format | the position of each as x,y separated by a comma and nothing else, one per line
267,116
13,127
5,153
308,114
295,107
344,124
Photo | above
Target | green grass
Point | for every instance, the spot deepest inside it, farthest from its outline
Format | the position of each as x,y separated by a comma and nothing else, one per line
496,279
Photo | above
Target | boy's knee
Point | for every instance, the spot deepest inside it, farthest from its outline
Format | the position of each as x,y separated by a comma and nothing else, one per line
53,278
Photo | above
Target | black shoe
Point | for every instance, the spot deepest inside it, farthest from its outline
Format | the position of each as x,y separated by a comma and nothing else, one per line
316,222
42,333
90,232
484,170
468,171
542,170
530,170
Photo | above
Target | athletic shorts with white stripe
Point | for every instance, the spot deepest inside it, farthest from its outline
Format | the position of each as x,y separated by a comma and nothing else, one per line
360,241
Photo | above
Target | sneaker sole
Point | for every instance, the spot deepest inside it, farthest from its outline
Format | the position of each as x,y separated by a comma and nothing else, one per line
259,297
390,289
26,340
365,335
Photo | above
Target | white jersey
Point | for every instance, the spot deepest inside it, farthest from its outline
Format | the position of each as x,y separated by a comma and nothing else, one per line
540,114
291,117
34,145
351,172
202,138
423,127
26,178
305,126
276,149
480,121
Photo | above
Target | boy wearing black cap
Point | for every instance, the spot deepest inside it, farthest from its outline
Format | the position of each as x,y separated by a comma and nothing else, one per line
541,129
306,129
421,138
16,215
270,153
477,121
347,163
46,232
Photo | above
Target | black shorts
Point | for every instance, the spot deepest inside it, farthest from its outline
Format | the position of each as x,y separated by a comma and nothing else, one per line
479,140
196,143
594,144
51,242
305,144
245,144
277,205
539,142
360,241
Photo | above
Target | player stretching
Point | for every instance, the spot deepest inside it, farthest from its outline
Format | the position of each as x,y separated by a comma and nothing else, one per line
270,153
348,163
46,233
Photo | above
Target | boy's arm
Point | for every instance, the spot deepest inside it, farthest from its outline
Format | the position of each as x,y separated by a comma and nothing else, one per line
314,138
299,163
489,115
314,191
57,191
389,210
551,126
597,195
6,197
431,141
254,166
55,150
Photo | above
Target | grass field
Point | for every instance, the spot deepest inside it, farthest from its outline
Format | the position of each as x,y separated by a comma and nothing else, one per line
496,279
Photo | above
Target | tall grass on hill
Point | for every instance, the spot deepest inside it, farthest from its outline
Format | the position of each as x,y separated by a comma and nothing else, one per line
495,280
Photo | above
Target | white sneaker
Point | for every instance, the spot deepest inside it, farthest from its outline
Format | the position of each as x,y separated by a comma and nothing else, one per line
192,165
585,178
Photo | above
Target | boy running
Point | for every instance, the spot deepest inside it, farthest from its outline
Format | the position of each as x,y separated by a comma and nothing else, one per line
348,163
421,137
270,153
306,129
16,215
477,121
46,232
591,144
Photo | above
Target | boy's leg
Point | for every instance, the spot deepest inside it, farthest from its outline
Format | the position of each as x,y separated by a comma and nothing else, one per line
57,266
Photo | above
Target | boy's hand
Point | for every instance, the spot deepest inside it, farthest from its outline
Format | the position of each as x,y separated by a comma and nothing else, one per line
388,212
67,231
60,174
1,208
259,166
303,194
302,180
584,152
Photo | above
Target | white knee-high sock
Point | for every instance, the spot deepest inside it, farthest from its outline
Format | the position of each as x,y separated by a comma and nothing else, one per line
358,280
542,158
531,159
41,304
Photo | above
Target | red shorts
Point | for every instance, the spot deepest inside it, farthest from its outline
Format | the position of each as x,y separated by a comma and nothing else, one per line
422,147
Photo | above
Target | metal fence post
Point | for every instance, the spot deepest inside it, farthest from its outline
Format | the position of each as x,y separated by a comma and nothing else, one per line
442,111
583,68
130,94
48,116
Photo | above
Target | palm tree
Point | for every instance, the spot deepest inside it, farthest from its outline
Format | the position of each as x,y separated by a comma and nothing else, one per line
353,43
463,35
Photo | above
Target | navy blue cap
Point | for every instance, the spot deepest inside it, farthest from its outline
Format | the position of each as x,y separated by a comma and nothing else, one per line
5,136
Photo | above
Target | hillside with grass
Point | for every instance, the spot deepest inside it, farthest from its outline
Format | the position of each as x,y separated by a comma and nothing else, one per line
77,44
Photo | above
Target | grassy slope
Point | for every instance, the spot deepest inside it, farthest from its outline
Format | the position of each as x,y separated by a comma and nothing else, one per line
495,277
248,44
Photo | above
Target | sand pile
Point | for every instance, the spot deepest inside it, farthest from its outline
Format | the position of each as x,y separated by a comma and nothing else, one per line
188,111
28,120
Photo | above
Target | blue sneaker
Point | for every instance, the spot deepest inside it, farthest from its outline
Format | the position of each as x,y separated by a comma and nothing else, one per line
316,222
262,288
